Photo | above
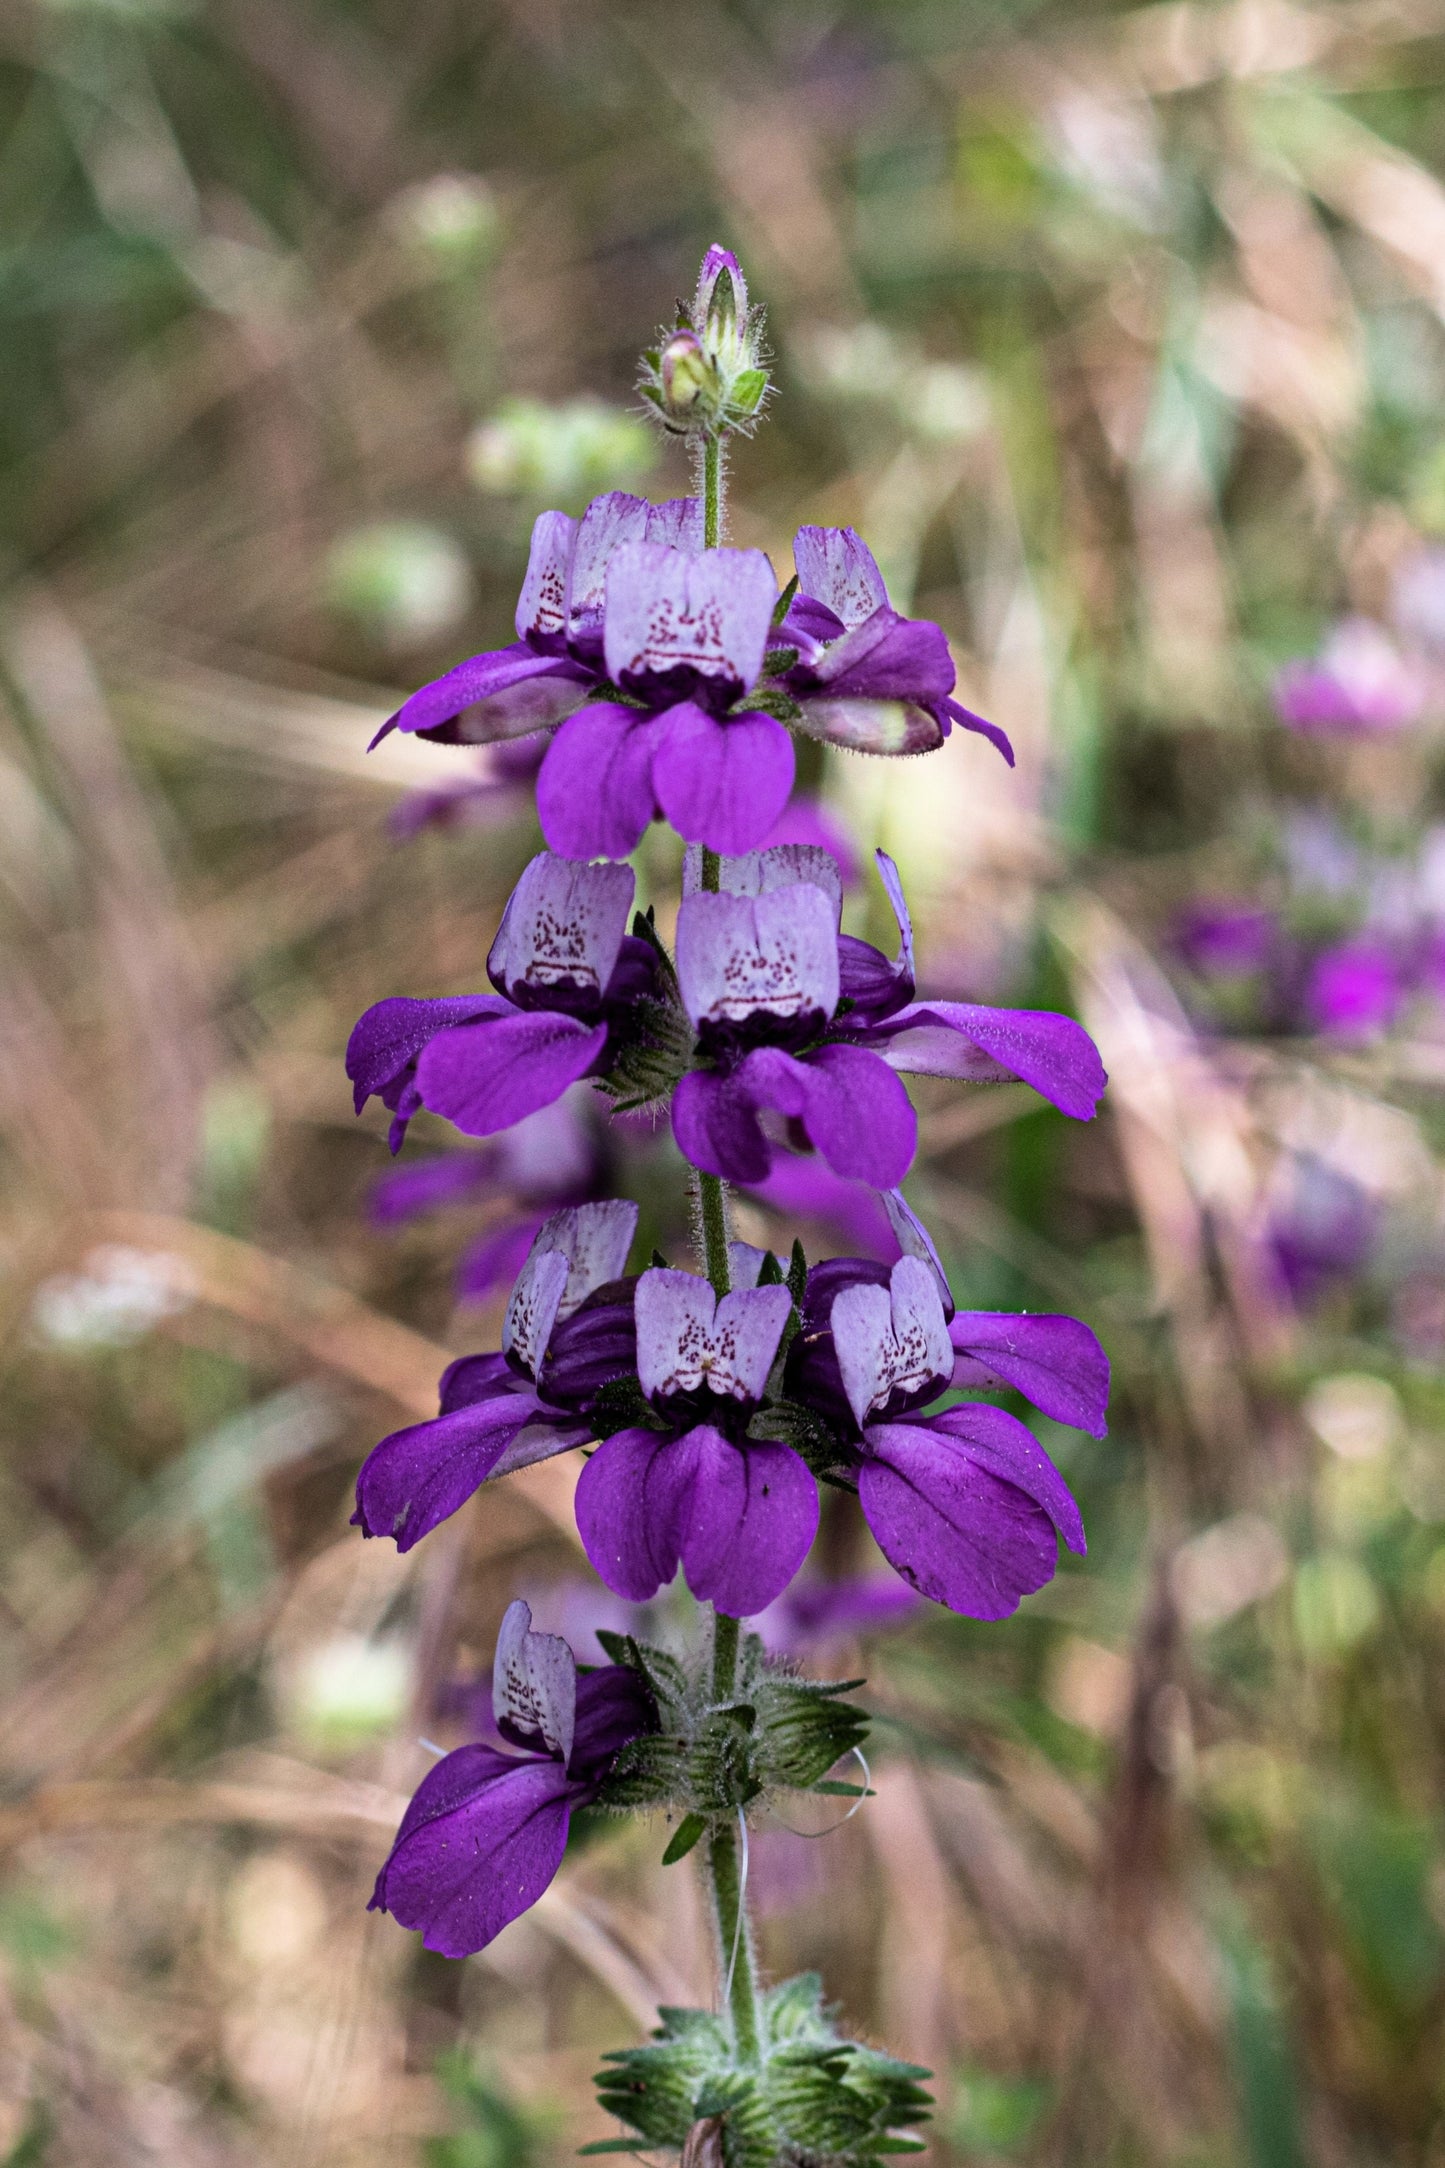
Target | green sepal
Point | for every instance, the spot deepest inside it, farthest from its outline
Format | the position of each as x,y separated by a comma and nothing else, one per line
747,390
770,700
659,1262
621,1405
797,1274
784,602
770,1272
779,660
684,1837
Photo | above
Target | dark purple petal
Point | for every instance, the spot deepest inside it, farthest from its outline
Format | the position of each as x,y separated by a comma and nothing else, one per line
738,1519
594,793
956,1531
542,604
479,1843
496,1259
854,1110
892,1344
674,621
562,930
475,1377
591,1348
506,694
961,1039
1056,1362
417,1477
869,726
999,1442
486,1076
428,1185
722,782
877,988
741,956
716,1127
954,712
687,1339
835,566
534,1685
387,1040
613,1708
802,1186
886,657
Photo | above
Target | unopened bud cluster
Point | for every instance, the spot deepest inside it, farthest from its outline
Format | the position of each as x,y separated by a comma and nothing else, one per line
708,375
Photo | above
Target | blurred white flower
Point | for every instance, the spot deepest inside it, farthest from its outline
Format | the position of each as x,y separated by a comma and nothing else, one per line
115,1299
404,581
564,453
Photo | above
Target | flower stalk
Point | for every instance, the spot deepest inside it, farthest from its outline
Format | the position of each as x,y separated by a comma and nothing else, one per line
671,672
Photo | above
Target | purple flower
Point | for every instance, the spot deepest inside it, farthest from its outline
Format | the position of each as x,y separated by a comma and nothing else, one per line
1360,684
809,1026
1322,1228
737,1514
553,1157
499,791
660,663
568,976
963,1501
1355,989
485,1831
1226,940
866,677
568,1333
815,1611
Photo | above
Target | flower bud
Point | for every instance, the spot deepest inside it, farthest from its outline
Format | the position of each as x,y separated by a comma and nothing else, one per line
689,381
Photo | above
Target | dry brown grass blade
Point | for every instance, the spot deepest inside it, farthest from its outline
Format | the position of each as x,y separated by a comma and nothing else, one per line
334,1328
325,1808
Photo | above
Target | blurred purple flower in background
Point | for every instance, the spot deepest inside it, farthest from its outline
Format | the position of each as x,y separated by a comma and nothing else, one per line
1355,990
1359,684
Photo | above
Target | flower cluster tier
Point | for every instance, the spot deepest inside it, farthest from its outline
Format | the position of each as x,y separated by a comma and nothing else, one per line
768,1017
718,1415
669,673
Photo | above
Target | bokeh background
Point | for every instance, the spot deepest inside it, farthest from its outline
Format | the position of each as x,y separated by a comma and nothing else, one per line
1119,333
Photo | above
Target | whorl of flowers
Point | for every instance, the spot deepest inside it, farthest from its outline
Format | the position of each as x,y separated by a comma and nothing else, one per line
670,674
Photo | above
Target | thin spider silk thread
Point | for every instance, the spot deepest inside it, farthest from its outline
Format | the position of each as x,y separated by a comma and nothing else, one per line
742,1911
432,1748
812,1834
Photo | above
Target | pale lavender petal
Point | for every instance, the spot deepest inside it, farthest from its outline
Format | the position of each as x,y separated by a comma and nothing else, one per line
542,604
479,1844
486,1076
506,694
914,1240
417,1477
870,726
608,522
954,1529
757,873
535,1301
954,712
772,955
854,1110
534,1684
1009,1450
686,1338
745,1262
594,792
563,926
672,618
722,781
892,1343
1056,1362
595,1239
835,566
678,523
961,1039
